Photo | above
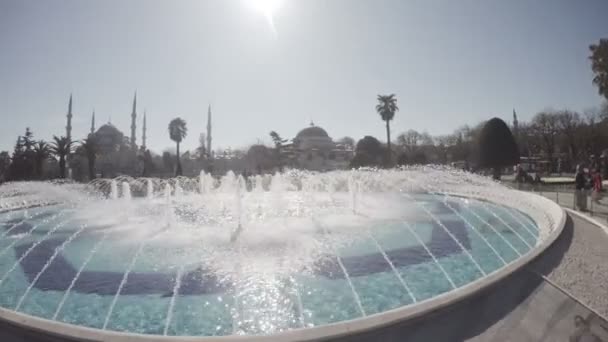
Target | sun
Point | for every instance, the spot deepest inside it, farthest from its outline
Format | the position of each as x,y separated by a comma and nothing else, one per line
267,8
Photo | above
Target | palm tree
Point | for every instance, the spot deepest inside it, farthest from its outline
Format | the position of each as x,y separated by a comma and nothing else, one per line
177,133
41,153
387,107
61,147
90,147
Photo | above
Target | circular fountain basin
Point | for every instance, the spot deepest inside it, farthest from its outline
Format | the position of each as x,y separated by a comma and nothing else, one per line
311,255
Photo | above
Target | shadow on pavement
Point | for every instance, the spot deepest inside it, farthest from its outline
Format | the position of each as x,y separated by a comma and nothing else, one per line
552,256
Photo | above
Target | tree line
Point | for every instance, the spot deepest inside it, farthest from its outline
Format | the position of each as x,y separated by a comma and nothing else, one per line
33,159
30,158
563,138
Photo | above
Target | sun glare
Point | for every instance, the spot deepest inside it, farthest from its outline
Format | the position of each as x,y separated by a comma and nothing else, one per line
268,8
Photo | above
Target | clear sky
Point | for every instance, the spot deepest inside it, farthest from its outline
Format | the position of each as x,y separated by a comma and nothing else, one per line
449,62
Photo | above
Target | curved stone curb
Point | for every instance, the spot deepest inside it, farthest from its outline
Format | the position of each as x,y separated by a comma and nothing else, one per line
589,219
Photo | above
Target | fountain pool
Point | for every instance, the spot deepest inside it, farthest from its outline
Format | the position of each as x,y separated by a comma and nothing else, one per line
285,254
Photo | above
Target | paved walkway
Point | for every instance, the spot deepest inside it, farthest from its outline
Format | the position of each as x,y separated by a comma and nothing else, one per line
578,262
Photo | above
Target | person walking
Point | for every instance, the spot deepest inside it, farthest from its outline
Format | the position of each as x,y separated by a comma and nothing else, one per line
580,193
597,186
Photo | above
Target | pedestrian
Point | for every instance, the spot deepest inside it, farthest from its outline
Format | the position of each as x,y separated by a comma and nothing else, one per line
597,186
580,192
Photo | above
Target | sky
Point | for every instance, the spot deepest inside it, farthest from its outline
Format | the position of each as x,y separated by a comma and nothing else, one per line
449,62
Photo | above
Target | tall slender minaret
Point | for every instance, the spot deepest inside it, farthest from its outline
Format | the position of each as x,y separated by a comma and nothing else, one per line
515,124
93,122
133,126
68,128
143,135
209,150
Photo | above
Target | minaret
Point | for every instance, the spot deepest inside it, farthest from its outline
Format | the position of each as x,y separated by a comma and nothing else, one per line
209,150
143,135
68,128
515,123
133,126
93,122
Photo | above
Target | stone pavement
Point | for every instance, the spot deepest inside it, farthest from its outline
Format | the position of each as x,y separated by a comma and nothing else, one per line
576,263
583,264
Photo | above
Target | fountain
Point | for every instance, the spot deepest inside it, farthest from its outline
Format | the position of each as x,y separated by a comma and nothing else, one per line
178,189
113,189
267,255
205,183
149,188
126,191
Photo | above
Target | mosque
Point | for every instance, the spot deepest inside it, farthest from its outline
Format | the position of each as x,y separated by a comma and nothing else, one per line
118,154
313,149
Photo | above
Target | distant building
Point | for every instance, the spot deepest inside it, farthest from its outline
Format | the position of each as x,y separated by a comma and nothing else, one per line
109,138
313,149
117,153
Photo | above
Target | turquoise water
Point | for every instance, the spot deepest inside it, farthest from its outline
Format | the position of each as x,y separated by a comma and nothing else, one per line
45,252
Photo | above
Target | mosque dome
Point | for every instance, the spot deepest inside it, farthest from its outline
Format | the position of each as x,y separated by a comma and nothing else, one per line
313,137
312,132
108,130
109,138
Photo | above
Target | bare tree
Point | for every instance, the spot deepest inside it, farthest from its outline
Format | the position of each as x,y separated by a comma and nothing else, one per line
545,125
409,140
201,150
569,124
594,138
426,139
527,140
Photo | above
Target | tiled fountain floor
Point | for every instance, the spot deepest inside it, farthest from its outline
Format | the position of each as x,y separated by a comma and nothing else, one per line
523,307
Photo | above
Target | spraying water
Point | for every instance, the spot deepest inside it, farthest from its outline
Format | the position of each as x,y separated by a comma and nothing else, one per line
240,188
250,250
178,189
259,184
113,189
126,191
149,188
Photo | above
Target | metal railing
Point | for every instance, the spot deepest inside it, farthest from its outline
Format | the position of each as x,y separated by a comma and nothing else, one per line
565,196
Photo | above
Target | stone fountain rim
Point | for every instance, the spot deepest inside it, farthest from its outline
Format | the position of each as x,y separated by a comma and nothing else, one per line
57,329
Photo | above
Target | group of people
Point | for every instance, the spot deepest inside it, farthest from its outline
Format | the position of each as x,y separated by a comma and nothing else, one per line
584,181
